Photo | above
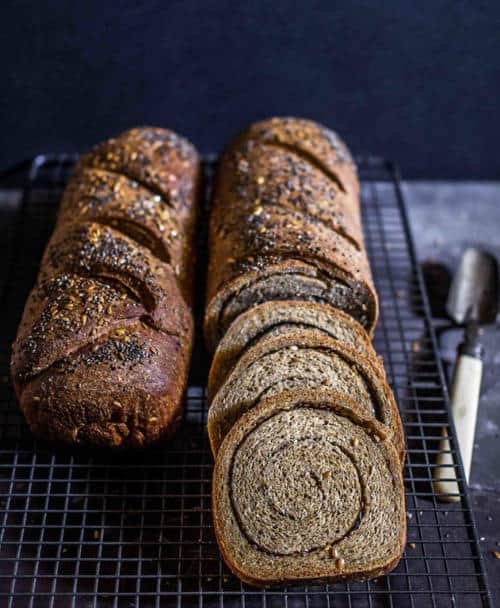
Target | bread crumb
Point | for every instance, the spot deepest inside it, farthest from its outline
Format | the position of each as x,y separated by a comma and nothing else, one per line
412,545
496,554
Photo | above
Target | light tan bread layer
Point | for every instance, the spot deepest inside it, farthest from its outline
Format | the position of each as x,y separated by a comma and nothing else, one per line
278,318
301,360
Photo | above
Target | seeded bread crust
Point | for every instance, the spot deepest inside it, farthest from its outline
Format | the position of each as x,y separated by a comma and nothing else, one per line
102,352
313,141
307,488
114,200
279,318
286,189
274,364
157,159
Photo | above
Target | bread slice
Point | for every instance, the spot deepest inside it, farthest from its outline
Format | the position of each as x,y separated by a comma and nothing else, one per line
264,279
302,360
307,488
279,318
280,233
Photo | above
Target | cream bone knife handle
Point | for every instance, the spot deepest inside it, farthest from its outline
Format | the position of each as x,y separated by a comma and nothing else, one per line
464,398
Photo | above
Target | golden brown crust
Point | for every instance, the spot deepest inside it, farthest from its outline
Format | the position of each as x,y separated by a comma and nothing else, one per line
256,176
102,352
282,233
261,568
121,390
93,250
111,199
313,141
158,159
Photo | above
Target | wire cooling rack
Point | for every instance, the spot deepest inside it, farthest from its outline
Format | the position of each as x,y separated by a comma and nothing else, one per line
86,529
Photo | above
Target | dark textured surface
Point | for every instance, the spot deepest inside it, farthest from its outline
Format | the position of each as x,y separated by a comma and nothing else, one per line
446,218
419,82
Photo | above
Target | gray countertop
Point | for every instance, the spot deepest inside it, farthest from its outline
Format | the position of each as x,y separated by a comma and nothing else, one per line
445,218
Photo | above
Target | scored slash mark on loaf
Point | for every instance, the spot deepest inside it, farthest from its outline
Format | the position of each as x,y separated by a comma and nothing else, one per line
109,321
307,437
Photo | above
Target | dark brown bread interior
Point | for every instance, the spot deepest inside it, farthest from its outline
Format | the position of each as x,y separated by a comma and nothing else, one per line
102,351
306,488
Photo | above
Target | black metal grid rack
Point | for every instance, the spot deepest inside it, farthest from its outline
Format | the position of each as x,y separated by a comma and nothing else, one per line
88,529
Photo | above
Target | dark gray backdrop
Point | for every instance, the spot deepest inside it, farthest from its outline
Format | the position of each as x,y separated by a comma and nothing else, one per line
418,81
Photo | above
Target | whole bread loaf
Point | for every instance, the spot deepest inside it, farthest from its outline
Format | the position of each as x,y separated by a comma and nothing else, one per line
102,352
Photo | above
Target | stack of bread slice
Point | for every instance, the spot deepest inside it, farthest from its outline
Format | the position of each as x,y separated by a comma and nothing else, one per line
304,428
